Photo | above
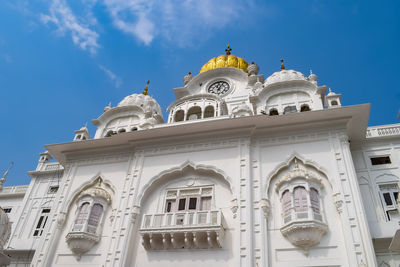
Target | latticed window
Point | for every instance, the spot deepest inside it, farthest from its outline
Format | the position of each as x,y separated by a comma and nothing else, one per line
95,214
189,199
301,202
286,203
83,213
314,197
300,199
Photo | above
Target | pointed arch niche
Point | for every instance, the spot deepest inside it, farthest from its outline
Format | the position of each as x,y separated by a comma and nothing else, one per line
183,208
88,208
296,188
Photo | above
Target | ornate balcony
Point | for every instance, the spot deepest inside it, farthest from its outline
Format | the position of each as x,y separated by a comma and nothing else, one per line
182,230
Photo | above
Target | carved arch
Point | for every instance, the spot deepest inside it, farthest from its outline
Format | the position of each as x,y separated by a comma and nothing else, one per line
285,164
179,171
89,183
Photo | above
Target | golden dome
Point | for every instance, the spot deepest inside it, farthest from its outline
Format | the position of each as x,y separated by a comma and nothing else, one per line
225,61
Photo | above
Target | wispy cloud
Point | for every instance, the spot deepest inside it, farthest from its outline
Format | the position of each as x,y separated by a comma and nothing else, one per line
174,22
112,76
179,22
61,15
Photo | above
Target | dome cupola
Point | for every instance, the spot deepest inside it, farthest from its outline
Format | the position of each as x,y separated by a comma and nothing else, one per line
225,61
285,75
134,112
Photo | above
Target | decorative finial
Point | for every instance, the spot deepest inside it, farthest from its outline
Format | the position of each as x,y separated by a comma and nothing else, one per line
187,78
330,90
228,50
147,88
296,165
85,124
3,179
282,66
106,108
310,71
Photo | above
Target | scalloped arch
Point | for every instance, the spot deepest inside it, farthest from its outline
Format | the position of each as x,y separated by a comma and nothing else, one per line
85,185
179,170
287,163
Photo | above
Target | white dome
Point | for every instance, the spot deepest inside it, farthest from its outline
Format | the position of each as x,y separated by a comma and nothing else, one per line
147,103
284,76
5,228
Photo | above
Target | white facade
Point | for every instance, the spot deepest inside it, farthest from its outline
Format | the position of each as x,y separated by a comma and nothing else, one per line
246,171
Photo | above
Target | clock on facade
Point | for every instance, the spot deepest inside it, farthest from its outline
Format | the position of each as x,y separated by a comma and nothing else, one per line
218,88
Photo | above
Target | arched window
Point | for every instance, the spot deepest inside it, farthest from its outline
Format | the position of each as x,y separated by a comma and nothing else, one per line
209,112
314,197
83,213
304,107
286,203
334,103
121,130
88,224
300,199
109,133
194,113
273,112
134,129
95,215
179,115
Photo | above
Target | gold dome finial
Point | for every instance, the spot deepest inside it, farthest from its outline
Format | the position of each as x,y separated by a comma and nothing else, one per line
282,66
228,50
147,88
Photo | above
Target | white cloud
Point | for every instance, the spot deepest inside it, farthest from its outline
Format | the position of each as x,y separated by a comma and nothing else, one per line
65,20
112,76
181,22
177,22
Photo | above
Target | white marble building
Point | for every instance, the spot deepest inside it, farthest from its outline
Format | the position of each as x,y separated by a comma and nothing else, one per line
246,171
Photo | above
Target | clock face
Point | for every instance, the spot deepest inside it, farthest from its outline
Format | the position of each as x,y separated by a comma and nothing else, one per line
218,88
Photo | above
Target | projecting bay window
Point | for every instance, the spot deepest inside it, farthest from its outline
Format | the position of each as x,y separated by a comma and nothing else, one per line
41,223
89,217
300,202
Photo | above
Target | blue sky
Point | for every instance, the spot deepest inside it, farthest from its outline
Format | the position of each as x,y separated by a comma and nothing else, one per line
62,62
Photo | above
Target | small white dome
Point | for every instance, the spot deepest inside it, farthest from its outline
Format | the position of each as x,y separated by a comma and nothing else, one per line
284,76
147,103
5,228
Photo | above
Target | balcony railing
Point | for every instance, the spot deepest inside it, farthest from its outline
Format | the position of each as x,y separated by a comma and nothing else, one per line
14,190
194,229
382,131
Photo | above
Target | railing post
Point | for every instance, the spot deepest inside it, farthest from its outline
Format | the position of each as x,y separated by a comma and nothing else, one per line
186,218
173,219
195,218
151,220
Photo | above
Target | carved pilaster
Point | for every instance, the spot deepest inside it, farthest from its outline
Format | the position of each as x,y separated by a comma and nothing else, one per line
338,200
234,207
135,214
61,220
265,206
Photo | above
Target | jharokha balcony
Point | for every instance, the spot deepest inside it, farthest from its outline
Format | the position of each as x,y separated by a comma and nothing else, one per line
182,230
